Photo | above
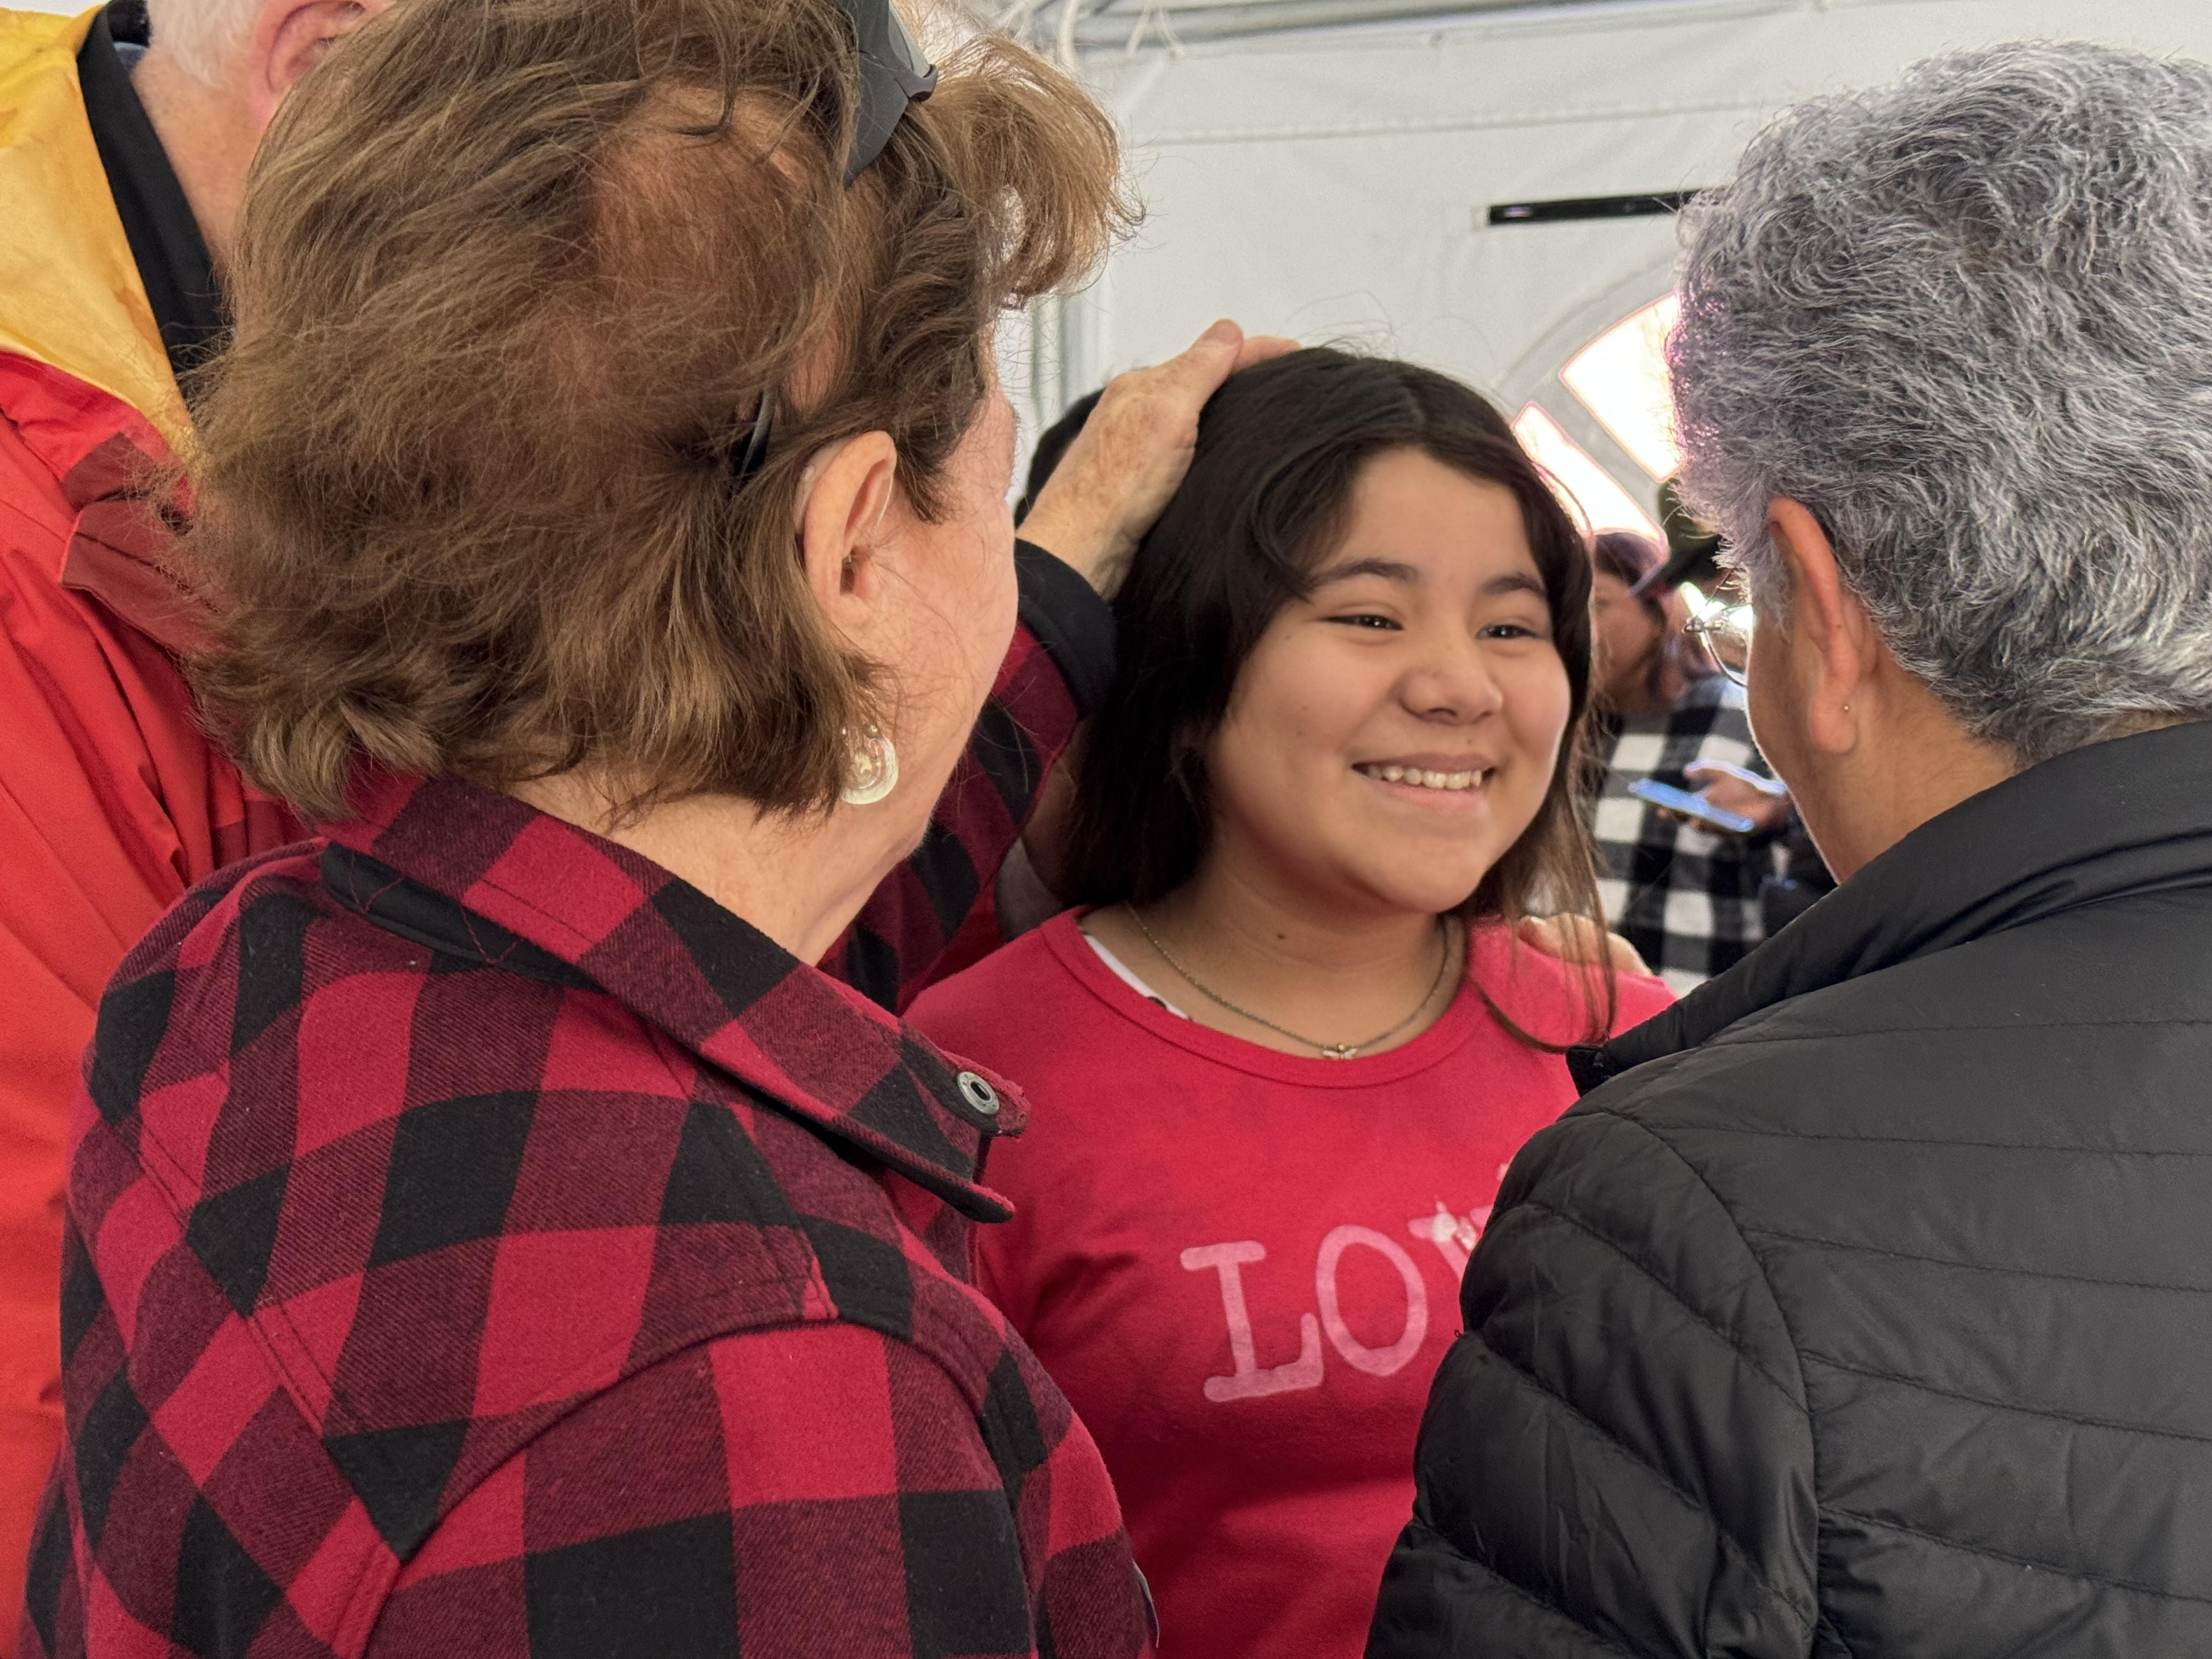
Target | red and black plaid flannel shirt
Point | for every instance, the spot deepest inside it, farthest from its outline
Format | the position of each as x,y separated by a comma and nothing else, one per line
481,1244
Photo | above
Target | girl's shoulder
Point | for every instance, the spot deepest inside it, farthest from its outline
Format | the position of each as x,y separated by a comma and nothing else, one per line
1017,960
1553,999
1025,984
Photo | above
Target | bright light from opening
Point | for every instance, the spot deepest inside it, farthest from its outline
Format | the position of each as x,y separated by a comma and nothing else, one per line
1621,378
1588,491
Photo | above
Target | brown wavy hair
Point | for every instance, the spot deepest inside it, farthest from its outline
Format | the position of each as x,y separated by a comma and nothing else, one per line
1281,447
511,278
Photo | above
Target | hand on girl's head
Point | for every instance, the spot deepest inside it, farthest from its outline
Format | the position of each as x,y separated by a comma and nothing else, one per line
1133,451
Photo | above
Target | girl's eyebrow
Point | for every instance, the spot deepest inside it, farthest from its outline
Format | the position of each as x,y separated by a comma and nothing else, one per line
1390,570
1407,575
1516,582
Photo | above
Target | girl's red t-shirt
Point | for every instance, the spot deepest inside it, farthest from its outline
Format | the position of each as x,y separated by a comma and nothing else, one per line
1243,1267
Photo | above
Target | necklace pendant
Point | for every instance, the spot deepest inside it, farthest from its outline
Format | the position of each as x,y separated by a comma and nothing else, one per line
1340,1051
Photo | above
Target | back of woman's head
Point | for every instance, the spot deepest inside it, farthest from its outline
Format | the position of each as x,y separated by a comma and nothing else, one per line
1626,557
513,276
1280,449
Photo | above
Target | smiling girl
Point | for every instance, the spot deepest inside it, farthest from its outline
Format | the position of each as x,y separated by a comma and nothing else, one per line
1280,1062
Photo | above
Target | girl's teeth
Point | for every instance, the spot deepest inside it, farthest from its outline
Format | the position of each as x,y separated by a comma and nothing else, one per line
1423,779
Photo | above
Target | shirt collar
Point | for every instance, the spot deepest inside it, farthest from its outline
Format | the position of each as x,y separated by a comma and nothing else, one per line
561,900
2128,815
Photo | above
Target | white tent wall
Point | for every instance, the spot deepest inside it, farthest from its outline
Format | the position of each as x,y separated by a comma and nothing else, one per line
1334,184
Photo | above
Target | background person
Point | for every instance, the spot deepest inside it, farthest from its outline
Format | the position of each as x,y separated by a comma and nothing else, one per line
1273,1094
1684,893
1863,1305
487,1234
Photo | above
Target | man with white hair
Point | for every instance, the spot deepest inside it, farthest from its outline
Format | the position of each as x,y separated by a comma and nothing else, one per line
122,161
1863,1305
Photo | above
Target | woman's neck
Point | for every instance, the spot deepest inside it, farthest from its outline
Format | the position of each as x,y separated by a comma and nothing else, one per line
1341,975
799,879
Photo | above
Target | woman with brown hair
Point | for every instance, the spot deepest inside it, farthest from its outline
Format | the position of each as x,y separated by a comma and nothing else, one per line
1281,1063
487,1235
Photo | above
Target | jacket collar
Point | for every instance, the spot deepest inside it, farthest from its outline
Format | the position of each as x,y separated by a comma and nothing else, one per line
70,295
2128,815
84,375
166,241
112,468
481,875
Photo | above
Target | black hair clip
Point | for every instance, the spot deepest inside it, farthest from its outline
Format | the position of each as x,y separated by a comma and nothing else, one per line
894,75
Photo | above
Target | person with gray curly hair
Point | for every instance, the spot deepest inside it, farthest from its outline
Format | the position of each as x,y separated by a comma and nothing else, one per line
1863,1306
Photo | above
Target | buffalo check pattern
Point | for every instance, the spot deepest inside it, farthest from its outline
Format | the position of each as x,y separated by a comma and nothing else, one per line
1686,897
481,1244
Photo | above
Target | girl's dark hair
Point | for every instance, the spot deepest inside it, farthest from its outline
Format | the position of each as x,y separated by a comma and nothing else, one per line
1279,448
1628,558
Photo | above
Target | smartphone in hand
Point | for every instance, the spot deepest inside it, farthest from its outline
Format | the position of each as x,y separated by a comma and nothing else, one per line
1691,806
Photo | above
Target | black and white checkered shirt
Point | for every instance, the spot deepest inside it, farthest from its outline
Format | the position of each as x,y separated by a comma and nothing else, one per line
1686,897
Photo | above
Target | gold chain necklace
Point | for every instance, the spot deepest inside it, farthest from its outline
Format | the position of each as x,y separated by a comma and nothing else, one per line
1328,1050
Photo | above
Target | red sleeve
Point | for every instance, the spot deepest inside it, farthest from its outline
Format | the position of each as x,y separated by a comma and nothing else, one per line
112,803
62,928
807,1490
1641,996
79,882
909,920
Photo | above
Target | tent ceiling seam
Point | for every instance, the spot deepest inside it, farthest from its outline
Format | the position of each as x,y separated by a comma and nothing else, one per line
1273,21
1554,116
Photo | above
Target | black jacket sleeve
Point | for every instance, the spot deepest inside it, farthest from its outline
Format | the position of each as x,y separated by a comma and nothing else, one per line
1070,620
1616,1458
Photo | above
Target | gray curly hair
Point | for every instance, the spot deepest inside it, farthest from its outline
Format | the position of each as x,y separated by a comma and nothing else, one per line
1966,320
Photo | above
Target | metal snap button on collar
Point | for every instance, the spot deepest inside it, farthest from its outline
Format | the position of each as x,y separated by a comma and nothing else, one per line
978,1094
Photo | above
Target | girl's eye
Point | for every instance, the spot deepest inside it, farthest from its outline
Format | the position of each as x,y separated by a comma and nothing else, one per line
1365,619
1510,630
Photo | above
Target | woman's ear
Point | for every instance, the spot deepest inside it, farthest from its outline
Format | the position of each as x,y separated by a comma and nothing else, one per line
845,494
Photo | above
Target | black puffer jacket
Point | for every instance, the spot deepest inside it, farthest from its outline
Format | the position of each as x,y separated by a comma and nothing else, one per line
1867,1309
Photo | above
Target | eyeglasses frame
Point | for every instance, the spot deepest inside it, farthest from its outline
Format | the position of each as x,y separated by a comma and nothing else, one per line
1716,620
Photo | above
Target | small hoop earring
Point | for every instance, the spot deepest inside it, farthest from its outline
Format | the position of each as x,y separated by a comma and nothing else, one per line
873,771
